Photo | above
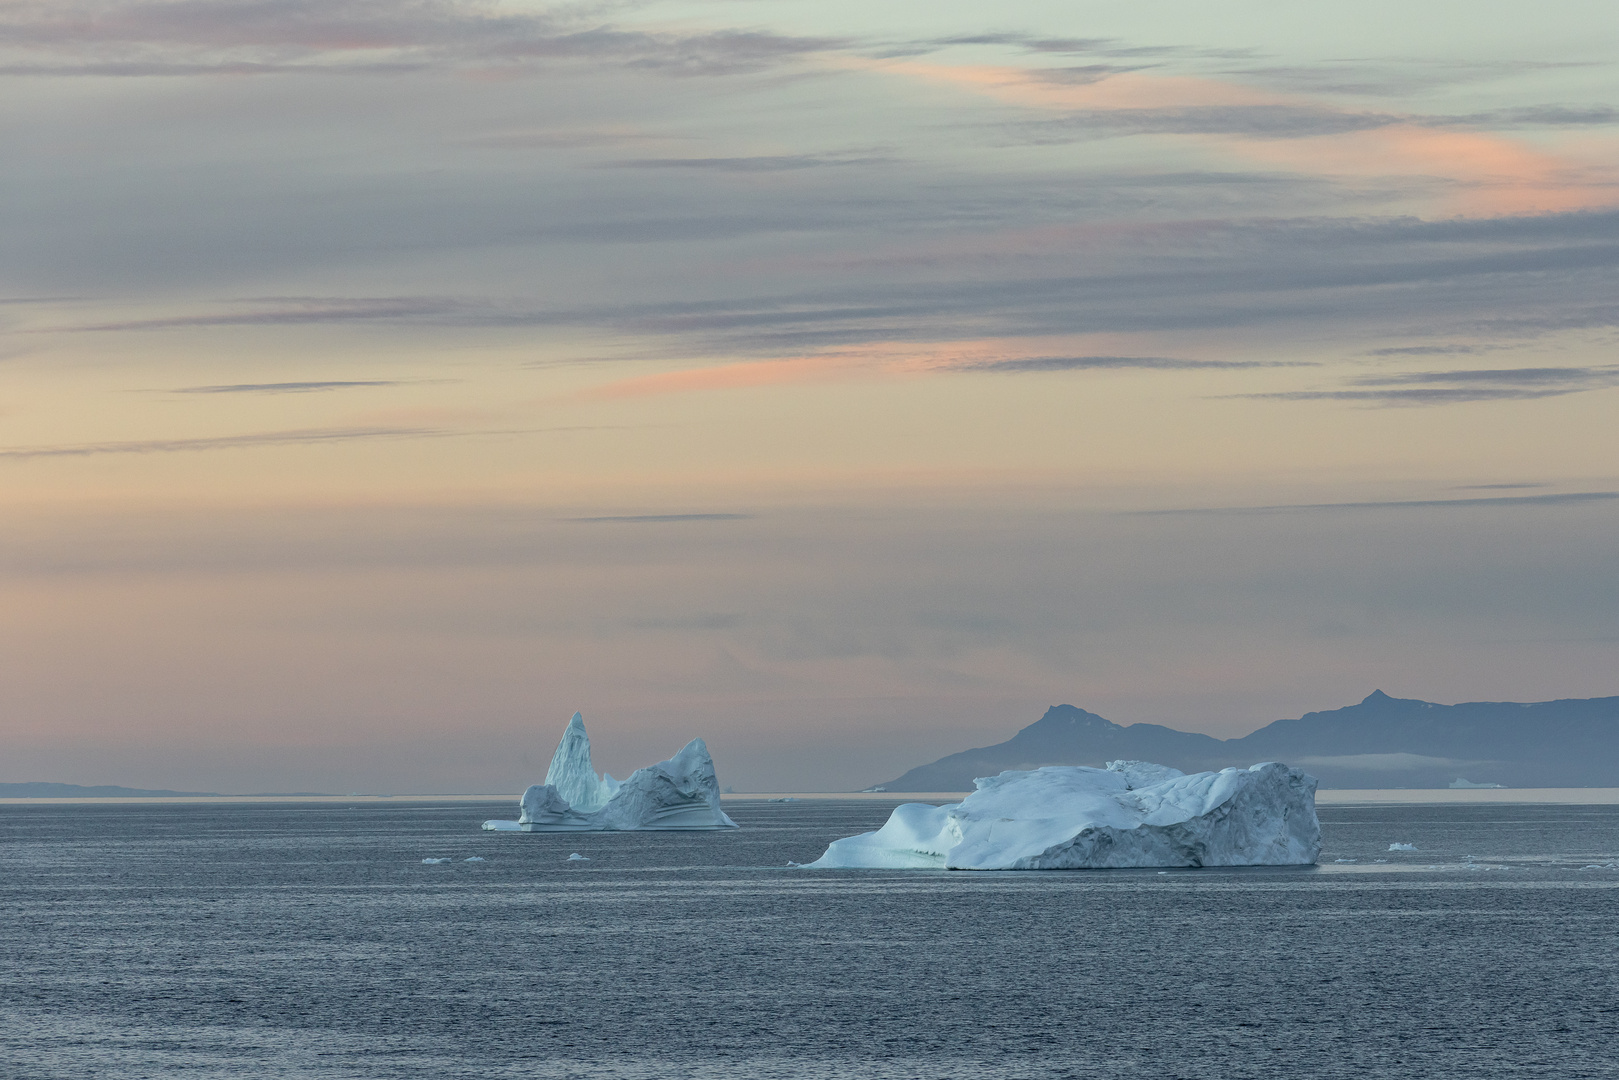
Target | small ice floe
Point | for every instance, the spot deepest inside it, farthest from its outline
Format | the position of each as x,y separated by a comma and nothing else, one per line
1402,847
1343,860
576,857
434,862
474,858
501,826
787,799
1380,860
1602,866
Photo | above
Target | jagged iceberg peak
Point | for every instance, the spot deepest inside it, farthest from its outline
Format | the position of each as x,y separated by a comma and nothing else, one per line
1131,814
572,774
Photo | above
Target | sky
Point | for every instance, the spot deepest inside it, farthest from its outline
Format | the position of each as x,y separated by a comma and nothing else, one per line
844,383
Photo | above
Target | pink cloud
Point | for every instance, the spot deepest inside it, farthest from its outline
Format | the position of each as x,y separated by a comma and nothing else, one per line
1485,174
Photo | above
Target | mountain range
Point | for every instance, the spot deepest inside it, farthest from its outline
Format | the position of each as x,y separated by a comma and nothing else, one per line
40,789
1383,742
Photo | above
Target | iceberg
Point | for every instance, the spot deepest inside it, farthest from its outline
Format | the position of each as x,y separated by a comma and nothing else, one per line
1130,814
680,793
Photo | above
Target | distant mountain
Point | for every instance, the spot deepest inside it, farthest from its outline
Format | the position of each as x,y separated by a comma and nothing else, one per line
76,791
1383,742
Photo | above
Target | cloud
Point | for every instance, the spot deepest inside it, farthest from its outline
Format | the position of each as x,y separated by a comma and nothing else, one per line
1430,350
299,437
1501,487
1542,376
1266,121
220,442
761,163
1451,387
1537,116
656,519
1569,498
291,311
284,387
185,37
1477,172
1101,363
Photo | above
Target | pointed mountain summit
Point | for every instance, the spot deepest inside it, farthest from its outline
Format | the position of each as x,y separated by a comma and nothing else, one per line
1065,735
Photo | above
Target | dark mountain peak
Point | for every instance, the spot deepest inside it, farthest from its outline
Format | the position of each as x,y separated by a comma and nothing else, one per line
1069,716
1376,697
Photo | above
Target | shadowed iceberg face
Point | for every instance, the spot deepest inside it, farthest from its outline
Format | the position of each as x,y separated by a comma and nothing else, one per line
680,793
1131,814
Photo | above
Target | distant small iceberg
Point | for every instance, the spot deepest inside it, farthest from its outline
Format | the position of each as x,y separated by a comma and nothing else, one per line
1402,847
1459,784
682,793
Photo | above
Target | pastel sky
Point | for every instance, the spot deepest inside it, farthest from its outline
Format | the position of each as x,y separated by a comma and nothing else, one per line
383,380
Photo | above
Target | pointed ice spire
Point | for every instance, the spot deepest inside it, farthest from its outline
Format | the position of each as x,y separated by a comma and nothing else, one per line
571,772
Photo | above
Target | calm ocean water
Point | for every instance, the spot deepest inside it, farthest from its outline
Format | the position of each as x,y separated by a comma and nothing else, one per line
313,941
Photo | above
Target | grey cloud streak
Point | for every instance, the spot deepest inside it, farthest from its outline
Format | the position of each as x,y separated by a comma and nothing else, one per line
1101,363
763,163
1502,278
219,442
656,519
275,36
1453,387
315,386
298,437
1569,498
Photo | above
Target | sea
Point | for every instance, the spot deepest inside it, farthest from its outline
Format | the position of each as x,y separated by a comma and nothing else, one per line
396,939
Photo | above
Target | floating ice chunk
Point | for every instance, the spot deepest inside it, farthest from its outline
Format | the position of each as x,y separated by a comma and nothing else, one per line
680,793
1402,847
1344,860
1380,860
576,857
474,858
1462,784
434,862
1131,814
787,799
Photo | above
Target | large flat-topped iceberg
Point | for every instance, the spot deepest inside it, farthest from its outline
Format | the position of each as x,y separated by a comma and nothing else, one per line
1130,814
681,793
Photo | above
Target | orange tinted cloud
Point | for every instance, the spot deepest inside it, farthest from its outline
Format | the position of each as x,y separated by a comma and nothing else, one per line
877,360
1487,174
1121,90
1493,175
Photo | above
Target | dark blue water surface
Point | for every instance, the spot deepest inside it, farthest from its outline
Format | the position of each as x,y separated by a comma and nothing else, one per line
311,940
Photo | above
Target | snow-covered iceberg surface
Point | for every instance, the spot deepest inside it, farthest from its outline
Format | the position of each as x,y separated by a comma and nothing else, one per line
681,793
1130,814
